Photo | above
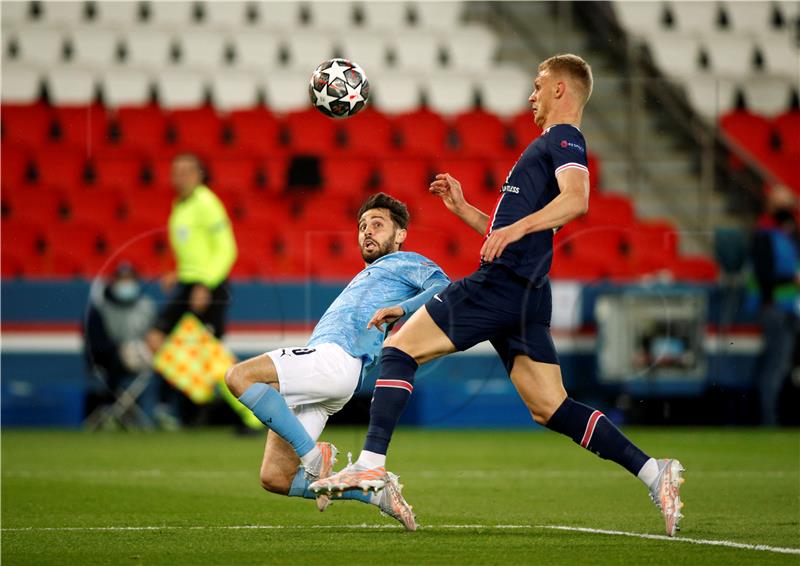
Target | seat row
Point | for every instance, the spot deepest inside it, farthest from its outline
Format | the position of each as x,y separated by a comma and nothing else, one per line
236,14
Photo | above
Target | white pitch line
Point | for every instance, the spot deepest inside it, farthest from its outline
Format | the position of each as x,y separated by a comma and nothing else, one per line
364,526
727,543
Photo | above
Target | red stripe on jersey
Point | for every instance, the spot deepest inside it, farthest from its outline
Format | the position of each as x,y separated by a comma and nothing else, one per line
396,383
590,426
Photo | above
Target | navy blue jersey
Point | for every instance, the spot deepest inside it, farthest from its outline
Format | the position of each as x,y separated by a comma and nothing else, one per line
530,186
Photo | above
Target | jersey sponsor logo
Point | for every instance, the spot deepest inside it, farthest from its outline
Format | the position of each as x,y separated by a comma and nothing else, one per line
565,144
510,189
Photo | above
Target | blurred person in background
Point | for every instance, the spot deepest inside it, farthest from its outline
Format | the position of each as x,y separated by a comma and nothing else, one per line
118,319
202,241
776,266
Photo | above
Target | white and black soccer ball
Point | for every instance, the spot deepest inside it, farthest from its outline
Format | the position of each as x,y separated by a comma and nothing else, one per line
339,88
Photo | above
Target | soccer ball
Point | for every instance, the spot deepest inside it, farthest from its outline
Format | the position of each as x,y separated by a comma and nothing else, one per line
339,88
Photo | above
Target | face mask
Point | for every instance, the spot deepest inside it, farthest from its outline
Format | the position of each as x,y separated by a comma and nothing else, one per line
125,291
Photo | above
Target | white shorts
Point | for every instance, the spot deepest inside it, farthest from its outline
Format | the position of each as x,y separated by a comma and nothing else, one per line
316,382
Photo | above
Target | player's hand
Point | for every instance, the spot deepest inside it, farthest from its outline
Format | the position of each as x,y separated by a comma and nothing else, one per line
385,316
199,299
449,190
498,239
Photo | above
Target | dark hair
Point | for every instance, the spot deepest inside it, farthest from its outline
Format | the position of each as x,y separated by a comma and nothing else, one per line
396,208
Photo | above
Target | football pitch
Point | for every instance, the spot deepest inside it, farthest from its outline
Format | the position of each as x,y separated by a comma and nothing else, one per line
481,497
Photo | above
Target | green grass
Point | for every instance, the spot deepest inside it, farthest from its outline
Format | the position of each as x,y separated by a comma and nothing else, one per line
742,486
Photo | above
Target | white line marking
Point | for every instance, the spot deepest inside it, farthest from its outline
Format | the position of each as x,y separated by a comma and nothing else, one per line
728,543
364,526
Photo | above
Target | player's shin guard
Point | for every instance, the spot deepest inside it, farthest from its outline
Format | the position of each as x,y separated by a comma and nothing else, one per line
271,409
392,391
592,430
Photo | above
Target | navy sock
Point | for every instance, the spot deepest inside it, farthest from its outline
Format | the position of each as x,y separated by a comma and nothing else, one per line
592,430
392,390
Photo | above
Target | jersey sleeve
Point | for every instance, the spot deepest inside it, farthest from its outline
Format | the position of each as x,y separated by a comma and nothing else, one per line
567,149
222,243
428,278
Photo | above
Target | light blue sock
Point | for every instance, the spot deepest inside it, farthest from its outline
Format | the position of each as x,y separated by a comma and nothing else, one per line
299,488
272,410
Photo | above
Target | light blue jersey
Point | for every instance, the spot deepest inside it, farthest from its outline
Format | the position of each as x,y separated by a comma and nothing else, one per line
400,278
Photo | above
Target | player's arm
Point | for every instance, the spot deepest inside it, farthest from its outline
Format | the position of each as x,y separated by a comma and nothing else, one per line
388,315
571,202
449,189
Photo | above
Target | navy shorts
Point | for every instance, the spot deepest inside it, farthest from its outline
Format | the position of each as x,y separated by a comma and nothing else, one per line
496,304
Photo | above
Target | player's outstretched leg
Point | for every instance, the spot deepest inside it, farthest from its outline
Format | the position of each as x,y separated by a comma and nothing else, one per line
665,493
392,391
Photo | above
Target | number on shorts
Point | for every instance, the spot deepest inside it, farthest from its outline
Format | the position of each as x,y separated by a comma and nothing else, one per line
303,351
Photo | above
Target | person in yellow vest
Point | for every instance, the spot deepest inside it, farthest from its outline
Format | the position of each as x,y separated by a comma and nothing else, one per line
202,241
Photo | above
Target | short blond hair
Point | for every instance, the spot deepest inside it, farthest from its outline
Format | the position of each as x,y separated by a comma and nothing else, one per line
574,67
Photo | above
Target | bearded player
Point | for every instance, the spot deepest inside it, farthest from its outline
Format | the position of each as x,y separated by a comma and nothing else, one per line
508,301
293,391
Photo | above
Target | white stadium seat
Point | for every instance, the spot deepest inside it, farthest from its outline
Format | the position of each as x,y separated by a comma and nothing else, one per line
754,17
63,14
14,14
416,50
43,46
365,48
438,15
675,54
125,87
395,93
180,88
471,47
94,46
767,96
505,90
256,50
698,16
449,93
146,47
279,15
21,84
640,18
334,16
307,49
231,14
71,86
790,10
710,97
383,16
781,54
287,90
170,14
731,55
121,15
202,49
233,90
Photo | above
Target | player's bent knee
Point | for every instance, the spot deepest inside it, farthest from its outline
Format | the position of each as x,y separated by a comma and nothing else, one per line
235,380
274,481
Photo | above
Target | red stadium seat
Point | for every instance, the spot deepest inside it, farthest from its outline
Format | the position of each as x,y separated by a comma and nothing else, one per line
255,131
22,236
82,126
153,210
697,268
336,256
787,126
27,125
611,210
586,240
422,133
346,176
198,130
786,168
120,168
310,132
524,129
39,205
657,237
499,169
83,247
471,173
143,128
15,163
595,171
480,134
59,166
573,268
100,206
369,133
237,173
751,132
159,171
144,245
404,178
